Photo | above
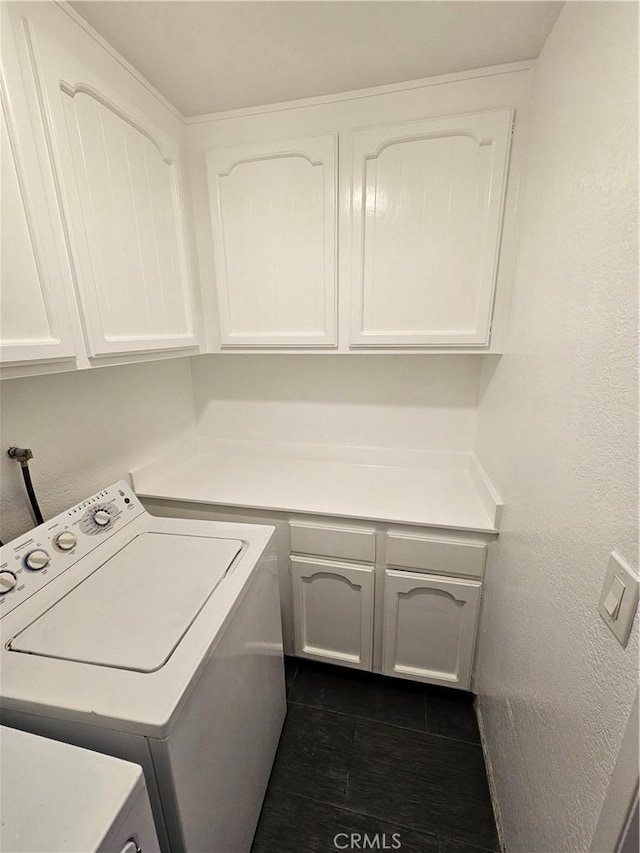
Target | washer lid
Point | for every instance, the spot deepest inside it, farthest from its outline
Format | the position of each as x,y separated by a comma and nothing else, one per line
133,610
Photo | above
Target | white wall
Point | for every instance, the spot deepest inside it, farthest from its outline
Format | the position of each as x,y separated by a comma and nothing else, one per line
425,402
87,429
558,434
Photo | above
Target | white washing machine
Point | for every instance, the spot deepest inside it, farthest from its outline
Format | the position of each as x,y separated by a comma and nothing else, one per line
61,799
158,641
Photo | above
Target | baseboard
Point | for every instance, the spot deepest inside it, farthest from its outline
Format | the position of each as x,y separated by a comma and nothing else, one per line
491,779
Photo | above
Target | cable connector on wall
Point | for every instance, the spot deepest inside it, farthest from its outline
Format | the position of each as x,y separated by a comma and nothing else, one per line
20,454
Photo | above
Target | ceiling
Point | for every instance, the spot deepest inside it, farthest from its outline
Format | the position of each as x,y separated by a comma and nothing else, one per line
211,55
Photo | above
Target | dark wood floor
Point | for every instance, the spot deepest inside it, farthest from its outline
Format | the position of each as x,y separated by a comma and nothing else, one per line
366,754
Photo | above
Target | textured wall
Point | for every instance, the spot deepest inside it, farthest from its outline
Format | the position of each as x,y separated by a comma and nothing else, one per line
388,401
87,429
557,432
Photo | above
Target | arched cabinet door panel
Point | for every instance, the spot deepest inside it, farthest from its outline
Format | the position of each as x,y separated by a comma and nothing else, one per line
34,319
273,215
430,627
426,220
121,191
333,611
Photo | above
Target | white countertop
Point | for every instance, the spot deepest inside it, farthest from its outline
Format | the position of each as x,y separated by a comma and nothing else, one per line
447,490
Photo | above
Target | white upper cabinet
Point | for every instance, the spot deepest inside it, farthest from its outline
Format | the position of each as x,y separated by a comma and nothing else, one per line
121,190
96,242
34,320
427,205
273,212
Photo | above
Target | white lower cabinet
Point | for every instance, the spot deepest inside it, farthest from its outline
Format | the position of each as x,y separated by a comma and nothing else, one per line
430,627
333,611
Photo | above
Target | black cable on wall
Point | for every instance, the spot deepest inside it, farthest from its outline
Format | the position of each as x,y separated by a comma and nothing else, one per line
23,455
35,507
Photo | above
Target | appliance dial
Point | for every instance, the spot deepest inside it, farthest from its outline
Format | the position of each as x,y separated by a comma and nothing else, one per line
102,517
37,560
7,581
65,541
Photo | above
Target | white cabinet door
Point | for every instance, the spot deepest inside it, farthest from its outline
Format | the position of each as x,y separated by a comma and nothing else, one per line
333,611
34,320
430,627
121,187
273,212
426,218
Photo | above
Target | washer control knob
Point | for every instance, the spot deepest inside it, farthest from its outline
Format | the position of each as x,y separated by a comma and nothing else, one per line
102,517
37,560
65,541
7,581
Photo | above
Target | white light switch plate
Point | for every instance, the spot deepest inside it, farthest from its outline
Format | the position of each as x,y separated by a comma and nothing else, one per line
620,596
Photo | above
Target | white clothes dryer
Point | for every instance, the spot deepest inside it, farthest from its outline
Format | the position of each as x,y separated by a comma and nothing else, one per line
63,799
158,641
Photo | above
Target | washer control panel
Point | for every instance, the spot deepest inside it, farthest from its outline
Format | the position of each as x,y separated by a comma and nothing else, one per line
35,559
